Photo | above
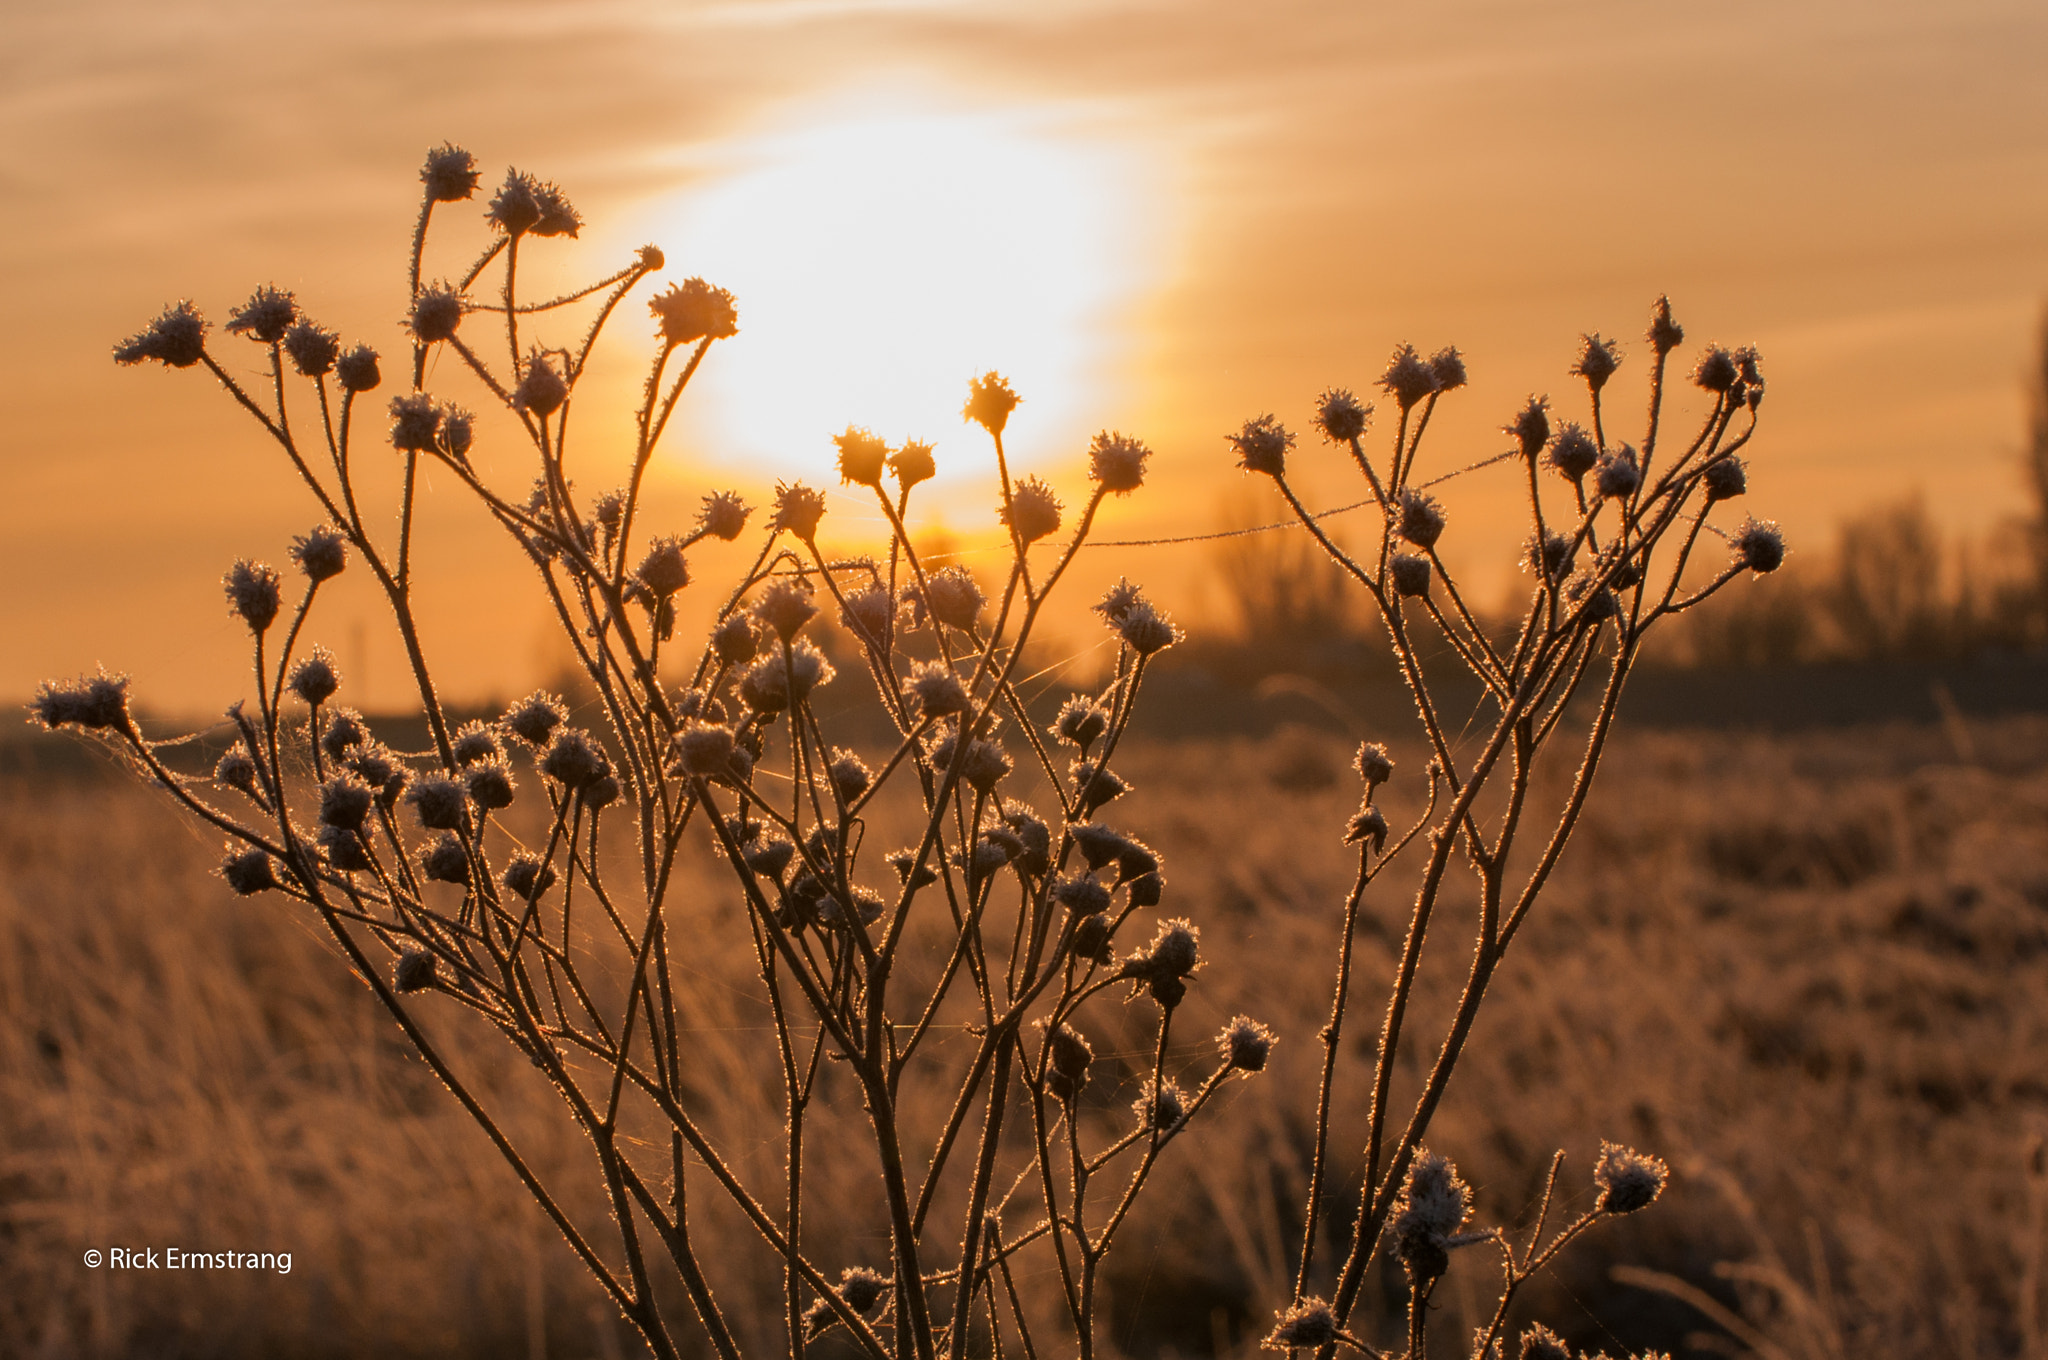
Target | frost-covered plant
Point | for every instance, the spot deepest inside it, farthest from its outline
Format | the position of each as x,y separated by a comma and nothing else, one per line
996,919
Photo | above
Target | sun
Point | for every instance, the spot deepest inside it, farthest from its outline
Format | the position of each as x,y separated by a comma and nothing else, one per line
884,255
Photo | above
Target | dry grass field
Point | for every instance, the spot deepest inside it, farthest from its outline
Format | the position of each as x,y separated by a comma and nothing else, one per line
1809,970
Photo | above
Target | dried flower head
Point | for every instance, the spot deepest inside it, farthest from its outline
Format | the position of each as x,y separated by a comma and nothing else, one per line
1573,452
985,764
1245,1044
1664,334
861,1288
1067,1058
786,606
573,760
357,369
1308,1325
445,861
663,572
724,515
934,690
1368,826
1081,721
989,402
1117,602
1033,511
266,316
515,208
344,849
1373,764
94,702
253,591
1627,1179
1540,1343
1095,785
440,802
1598,359
490,785
322,553
235,770
415,971
1147,630
704,749
315,678
1340,415
344,730
1082,894
1531,426
1433,1207
1716,371
1448,367
798,510
450,174
733,641
542,390
379,767
475,741
1617,477
1420,518
1547,556
345,801
1174,950
312,348
528,876
176,339
867,612
1725,478
770,685
415,421
913,463
1116,462
1759,545
693,310
534,719
1262,446
1162,1106
436,313
954,598
248,871
1409,377
849,774
862,456
1410,573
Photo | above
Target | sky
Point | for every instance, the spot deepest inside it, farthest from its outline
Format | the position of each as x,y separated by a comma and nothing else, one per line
1161,218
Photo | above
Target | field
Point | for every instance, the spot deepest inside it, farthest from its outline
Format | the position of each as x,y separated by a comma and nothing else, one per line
1810,970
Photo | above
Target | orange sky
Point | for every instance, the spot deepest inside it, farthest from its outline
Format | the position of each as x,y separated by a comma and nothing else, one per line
1277,195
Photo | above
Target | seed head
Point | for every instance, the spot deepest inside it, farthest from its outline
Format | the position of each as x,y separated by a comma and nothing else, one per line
94,702
985,765
477,741
253,593
534,719
445,861
1573,452
436,313
415,421
1759,545
543,390
515,208
1174,949
1421,518
235,770
1410,573
1449,368
954,598
450,174
1245,1044
1308,1325
704,749
440,802
798,510
694,310
1716,371
1099,844
1409,378
1116,462
1068,1057
663,572
868,613
344,849
724,515
489,781
528,876
1340,415
1596,603
313,348
1117,602
1262,446
1081,894
379,767
861,1288
322,553
1531,428
769,858
849,774
1033,511
786,606
861,457
1091,938
1540,1343
1627,1180
913,463
989,402
315,679
1617,476
1597,361
573,760
1367,825
733,642
1665,334
266,316
1431,1210
1162,1106
344,730
770,685
1725,479
1147,630
357,369
415,971
176,339
1082,722
247,871
1095,785
345,801
1546,556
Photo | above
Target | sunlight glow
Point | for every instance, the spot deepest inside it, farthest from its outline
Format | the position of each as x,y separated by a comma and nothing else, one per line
881,257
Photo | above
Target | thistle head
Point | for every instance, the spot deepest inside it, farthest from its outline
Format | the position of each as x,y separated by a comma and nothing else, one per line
1162,1106
1448,367
694,310
266,316
1573,452
724,515
1310,1324
1716,371
1547,556
786,606
989,402
1627,1180
534,719
1116,462
1033,511
344,849
1068,1057
357,369
798,510
542,389
1540,1343
1725,478
1419,518
1410,573
1617,477
868,612
1373,764
772,684
415,423
663,572
573,760
1147,630
1262,446
913,463
436,313
248,871
1597,361
849,774
441,802
1409,377
176,339
704,750
312,348
733,641
1664,334
450,174
862,456
345,801
528,876
1245,1044
1759,545
235,770
322,553
95,702
1341,416
254,594
315,678
445,861
1530,427
415,971
1081,722
954,598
